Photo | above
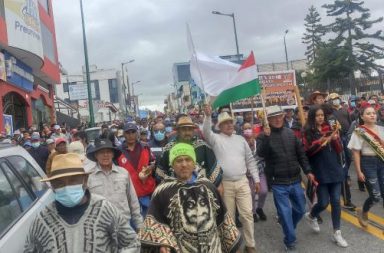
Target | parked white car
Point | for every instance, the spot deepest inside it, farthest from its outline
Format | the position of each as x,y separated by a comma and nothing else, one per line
22,196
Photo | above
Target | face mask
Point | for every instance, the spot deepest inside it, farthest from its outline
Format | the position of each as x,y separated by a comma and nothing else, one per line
247,132
168,129
353,104
336,102
159,136
35,144
70,196
240,120
121,139
113,130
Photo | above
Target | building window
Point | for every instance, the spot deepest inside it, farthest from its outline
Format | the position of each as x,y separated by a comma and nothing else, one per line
66,86
2,11
48,43
113,91
96,94
45,5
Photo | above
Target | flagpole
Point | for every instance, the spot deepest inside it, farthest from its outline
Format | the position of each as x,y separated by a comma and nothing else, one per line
262,94
253,109
189,34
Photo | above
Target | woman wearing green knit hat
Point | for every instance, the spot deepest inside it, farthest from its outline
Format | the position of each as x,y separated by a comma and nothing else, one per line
186,207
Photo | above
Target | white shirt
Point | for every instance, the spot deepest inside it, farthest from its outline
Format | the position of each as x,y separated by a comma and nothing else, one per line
232,153
357,143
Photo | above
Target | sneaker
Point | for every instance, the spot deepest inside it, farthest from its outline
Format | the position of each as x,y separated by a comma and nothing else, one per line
363,218
319,219
312,222
291,248
349,206
261,214
255,218
339,240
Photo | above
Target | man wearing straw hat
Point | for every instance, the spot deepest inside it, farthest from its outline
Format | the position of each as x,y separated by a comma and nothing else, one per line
236,159
204,154
78,221
284,157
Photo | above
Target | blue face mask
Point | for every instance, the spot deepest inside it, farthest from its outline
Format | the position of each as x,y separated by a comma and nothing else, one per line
35,144
168,129
353,104
70,196
159,136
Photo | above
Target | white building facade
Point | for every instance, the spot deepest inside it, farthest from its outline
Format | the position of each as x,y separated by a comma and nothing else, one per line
107,94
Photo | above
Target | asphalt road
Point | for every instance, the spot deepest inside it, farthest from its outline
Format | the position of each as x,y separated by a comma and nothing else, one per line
269,235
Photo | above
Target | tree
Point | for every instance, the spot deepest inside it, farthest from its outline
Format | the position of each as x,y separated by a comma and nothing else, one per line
314,30
351,23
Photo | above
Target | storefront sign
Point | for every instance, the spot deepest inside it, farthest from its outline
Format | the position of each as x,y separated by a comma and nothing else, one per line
279,90
8,124
23,25
18,73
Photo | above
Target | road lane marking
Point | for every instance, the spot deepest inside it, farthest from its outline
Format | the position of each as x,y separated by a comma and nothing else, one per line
354,221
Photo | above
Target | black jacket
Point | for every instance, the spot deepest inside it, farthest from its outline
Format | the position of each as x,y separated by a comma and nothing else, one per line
284,156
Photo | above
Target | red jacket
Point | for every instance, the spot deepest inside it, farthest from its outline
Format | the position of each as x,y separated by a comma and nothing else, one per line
143,188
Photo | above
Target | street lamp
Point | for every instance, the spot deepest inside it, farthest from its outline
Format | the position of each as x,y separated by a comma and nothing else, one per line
285,46
133,94
125,86
90,100
232,15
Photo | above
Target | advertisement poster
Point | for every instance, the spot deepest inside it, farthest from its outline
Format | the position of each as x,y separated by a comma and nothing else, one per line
3,72
279,90
23,25
8,124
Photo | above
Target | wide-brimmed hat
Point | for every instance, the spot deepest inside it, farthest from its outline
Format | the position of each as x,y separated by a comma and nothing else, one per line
333,96
274,110
99,145
223,117
317,93
185,121
65,165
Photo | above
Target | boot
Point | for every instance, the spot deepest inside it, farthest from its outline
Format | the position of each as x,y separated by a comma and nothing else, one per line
261,214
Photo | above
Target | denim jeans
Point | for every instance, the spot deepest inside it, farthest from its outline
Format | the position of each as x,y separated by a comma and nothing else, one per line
346,188
328,193
373,170
290,204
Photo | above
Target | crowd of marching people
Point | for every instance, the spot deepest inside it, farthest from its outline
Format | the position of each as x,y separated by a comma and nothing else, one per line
186,183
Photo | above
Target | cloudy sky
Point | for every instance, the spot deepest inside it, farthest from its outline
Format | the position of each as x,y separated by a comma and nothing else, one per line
153,32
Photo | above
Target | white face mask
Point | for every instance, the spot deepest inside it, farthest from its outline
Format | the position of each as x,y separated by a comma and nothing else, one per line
336,102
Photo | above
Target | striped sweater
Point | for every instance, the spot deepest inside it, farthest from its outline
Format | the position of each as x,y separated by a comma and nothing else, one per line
102,228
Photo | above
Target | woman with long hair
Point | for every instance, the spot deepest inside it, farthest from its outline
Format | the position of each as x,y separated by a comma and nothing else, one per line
367,143
323,147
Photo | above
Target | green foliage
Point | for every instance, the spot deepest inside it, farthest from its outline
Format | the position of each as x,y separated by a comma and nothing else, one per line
355,49
314,30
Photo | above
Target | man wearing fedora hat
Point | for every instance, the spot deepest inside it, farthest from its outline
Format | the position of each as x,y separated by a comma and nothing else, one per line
205,156
78,221
138,160
284,157
113,182
236,159
318,98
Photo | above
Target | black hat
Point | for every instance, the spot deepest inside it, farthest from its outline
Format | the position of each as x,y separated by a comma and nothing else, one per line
99,145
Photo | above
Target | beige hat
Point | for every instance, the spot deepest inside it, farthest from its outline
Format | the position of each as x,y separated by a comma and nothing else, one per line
185,121
333,96
274,110
65,165
78,148
224,116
